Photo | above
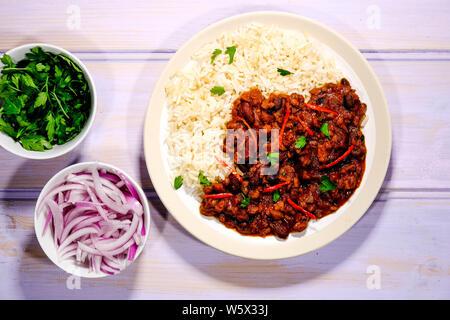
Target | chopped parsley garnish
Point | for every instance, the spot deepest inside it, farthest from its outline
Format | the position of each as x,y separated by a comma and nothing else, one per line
283,72
203,180
245,201
218,90
326,184
276,195
230,51
44,99
178,182
273,158
36,143
215,54
324,130
300,143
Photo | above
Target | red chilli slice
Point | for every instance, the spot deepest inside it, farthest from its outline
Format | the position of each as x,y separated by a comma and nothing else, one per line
346,153
251,132
237,175
318,108
275,187
218,196
310,132
309,214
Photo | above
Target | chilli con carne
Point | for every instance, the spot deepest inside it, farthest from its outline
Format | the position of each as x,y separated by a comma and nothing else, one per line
337,159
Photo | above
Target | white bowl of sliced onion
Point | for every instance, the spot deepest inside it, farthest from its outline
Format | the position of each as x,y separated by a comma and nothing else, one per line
92,219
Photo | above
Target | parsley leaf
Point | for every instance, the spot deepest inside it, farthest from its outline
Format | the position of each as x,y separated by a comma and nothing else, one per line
215,53
28,80
50,127
41,99
7,61
178,182
70,62
7,128
218,90
35,143
230,51
326,184
283,72
273,158
41,67
300,143
203,179
12,105
15,79
324,130
276,196
245,201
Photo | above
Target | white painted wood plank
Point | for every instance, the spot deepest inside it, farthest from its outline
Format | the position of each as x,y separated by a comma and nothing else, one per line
417,93
405,240
126,46
161,24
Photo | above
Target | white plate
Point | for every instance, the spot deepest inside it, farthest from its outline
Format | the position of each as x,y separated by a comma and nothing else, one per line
377,133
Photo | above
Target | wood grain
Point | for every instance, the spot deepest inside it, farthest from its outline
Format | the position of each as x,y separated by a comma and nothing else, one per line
162,24
126,45
391,236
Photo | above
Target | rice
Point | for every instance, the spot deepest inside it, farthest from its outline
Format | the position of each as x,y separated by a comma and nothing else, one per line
197,118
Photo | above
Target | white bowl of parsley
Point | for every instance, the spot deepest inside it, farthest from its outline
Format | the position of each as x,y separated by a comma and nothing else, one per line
47,101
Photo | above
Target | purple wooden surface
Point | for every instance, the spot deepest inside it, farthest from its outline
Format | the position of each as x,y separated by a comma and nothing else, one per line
402,238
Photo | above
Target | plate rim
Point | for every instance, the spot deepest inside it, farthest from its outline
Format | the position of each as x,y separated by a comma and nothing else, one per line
174,204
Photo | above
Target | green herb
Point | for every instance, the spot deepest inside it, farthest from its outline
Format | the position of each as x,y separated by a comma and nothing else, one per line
7,128
230,51
178,182
7,61
283,72
203,180
41,99
245,201
44,99
300,143
273,158
35,143
218,90
326,184
215,54
276,195
324,129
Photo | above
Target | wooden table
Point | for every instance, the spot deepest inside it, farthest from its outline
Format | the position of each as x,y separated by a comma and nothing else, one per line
399,249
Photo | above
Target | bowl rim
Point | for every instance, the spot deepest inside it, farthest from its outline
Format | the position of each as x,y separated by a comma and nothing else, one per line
72,144
73,168
251,250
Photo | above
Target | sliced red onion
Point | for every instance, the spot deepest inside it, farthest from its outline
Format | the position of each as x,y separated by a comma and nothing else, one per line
49,217
122,240
60,198
76,212
57,217
104,198
105,270
111,177
77,234
129,186
96,218
79,223
105,262
132,252
68,254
